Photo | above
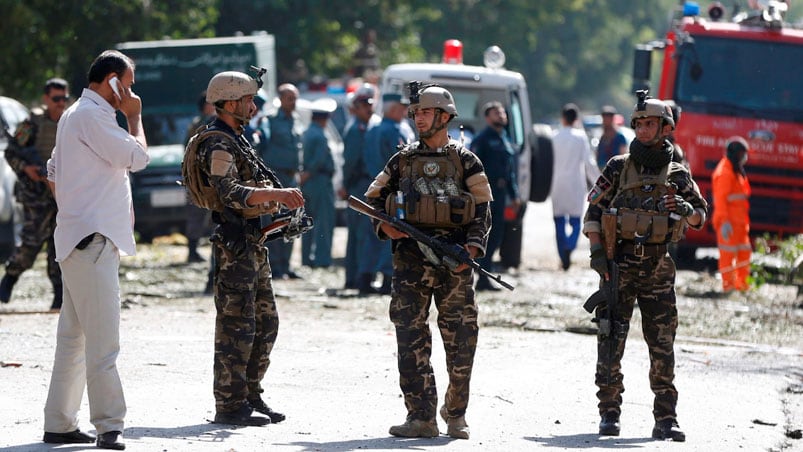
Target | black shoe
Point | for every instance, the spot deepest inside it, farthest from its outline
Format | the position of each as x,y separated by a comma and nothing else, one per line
193,256
241,417
364,284
58,295
73,437
565,259
109,440
260,406
293,275
6,285
484,284
609,424
668,429
385,289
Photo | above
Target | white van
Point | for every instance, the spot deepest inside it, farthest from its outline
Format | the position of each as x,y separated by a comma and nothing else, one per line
472,87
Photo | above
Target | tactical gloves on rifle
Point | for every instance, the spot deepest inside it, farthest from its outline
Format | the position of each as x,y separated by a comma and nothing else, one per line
599,262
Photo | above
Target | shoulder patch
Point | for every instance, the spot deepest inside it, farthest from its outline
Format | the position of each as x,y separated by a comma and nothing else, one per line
601,186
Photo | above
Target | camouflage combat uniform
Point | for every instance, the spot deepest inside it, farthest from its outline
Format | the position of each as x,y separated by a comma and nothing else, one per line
416,282
36,136
247,322
646,274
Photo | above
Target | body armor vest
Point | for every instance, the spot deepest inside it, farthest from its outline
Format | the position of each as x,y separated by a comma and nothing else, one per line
200,191
639,207
45,134
433,193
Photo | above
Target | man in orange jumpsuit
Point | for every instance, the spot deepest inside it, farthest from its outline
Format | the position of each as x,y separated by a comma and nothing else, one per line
731,218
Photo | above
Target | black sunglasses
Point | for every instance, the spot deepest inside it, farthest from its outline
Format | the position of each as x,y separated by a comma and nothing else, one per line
60,98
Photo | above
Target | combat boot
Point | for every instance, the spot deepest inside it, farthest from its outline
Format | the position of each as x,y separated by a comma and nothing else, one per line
241,417
416,428
260,406
609,424
6,285
668,429
456,427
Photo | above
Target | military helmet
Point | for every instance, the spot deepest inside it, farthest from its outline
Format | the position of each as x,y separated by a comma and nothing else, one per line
230,85
435,97
652,107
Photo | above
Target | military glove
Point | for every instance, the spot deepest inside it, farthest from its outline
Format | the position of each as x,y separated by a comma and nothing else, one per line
683,207
726,230
599,262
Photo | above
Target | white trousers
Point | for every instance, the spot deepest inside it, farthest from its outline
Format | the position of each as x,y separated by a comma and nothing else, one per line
88,341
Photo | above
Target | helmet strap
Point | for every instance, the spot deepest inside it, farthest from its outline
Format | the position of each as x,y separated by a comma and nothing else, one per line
436,126
241,119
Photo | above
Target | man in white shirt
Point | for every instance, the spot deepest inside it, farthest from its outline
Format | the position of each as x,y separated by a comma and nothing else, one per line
574,166
88,173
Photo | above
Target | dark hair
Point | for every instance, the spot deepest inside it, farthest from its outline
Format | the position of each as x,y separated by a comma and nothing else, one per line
110,61
570,113
55,83
492,105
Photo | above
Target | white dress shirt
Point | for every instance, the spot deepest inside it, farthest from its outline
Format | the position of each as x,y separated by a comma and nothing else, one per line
89,166
574,171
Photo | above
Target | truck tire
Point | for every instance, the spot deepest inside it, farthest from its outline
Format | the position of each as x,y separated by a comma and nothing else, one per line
540,166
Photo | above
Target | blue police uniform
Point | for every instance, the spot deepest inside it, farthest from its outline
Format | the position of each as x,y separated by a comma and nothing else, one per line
282,155
356,180
499,159
319,194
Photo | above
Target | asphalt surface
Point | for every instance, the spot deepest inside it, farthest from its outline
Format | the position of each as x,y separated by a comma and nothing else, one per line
333,374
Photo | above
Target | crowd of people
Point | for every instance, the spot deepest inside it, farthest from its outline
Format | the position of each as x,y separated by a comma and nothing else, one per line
241,173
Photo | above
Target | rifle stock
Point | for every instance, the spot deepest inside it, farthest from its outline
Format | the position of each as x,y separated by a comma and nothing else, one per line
442,249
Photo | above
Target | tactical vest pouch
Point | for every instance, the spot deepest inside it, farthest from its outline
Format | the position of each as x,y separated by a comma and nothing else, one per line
643,223
660,226
627,225
437,211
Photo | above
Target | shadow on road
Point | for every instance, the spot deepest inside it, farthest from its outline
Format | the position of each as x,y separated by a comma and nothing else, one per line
588,440
388,443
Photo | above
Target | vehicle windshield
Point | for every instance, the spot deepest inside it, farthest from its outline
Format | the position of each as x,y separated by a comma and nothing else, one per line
167,128
767,85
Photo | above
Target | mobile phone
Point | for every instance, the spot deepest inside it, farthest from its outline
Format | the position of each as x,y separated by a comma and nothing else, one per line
113,82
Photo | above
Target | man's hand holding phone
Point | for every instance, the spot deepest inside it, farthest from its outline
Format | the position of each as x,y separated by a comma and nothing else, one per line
127,102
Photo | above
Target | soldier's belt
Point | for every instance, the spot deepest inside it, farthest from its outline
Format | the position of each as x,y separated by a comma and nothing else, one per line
638,250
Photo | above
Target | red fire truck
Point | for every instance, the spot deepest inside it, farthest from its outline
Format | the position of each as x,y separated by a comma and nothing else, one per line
738,77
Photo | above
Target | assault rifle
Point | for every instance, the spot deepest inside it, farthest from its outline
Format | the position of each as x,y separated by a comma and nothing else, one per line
610,328
451,255
30,156
288,225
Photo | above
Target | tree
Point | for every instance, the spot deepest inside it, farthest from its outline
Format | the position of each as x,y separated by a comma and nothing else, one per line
46,39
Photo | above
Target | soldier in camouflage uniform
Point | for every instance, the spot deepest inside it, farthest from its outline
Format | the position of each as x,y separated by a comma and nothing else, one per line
247,322
445,193
652,200
27,155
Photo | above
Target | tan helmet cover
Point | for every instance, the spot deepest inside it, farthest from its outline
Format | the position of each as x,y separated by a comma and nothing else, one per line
230,85
435,97
652,107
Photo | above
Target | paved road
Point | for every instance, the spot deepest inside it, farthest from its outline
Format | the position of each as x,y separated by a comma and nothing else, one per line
334,375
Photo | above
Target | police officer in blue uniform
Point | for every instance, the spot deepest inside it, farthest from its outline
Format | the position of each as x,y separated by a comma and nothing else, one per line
499,159
283,156
316,183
